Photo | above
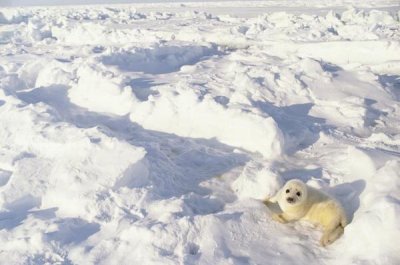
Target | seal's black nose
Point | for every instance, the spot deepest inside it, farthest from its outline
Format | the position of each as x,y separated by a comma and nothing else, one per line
290,199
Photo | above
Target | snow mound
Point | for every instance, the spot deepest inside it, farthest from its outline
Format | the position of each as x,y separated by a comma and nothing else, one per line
198,117
111,93
160,59
377,219
29,71
12,16
73,33
41,150
371,52
53,73
257,181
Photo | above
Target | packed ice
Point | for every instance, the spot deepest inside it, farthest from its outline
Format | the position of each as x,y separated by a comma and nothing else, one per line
152,133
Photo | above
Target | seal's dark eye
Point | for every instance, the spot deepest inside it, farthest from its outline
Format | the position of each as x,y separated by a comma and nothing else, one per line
298,193
287,191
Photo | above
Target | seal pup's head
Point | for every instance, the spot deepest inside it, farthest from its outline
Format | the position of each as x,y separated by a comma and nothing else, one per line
293,193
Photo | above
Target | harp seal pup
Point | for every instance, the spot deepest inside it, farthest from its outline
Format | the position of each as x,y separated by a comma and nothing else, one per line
301,202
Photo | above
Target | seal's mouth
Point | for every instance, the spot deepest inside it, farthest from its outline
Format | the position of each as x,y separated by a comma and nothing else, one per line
290,200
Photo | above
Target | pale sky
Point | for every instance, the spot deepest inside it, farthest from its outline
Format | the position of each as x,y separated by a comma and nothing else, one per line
83,2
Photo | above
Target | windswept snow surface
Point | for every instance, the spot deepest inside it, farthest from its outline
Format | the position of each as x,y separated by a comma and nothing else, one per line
134,135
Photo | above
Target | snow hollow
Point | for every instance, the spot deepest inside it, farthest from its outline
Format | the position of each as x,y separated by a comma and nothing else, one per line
151,133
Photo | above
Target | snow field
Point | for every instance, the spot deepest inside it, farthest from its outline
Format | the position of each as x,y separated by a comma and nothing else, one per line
133,135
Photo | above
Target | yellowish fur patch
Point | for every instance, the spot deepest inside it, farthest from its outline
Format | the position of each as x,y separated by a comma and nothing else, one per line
301,202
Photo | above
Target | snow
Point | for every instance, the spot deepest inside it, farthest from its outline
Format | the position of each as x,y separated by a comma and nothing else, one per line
257,182
151,133
111,94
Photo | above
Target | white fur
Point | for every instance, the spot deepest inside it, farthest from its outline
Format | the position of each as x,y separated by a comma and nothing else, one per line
301,202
